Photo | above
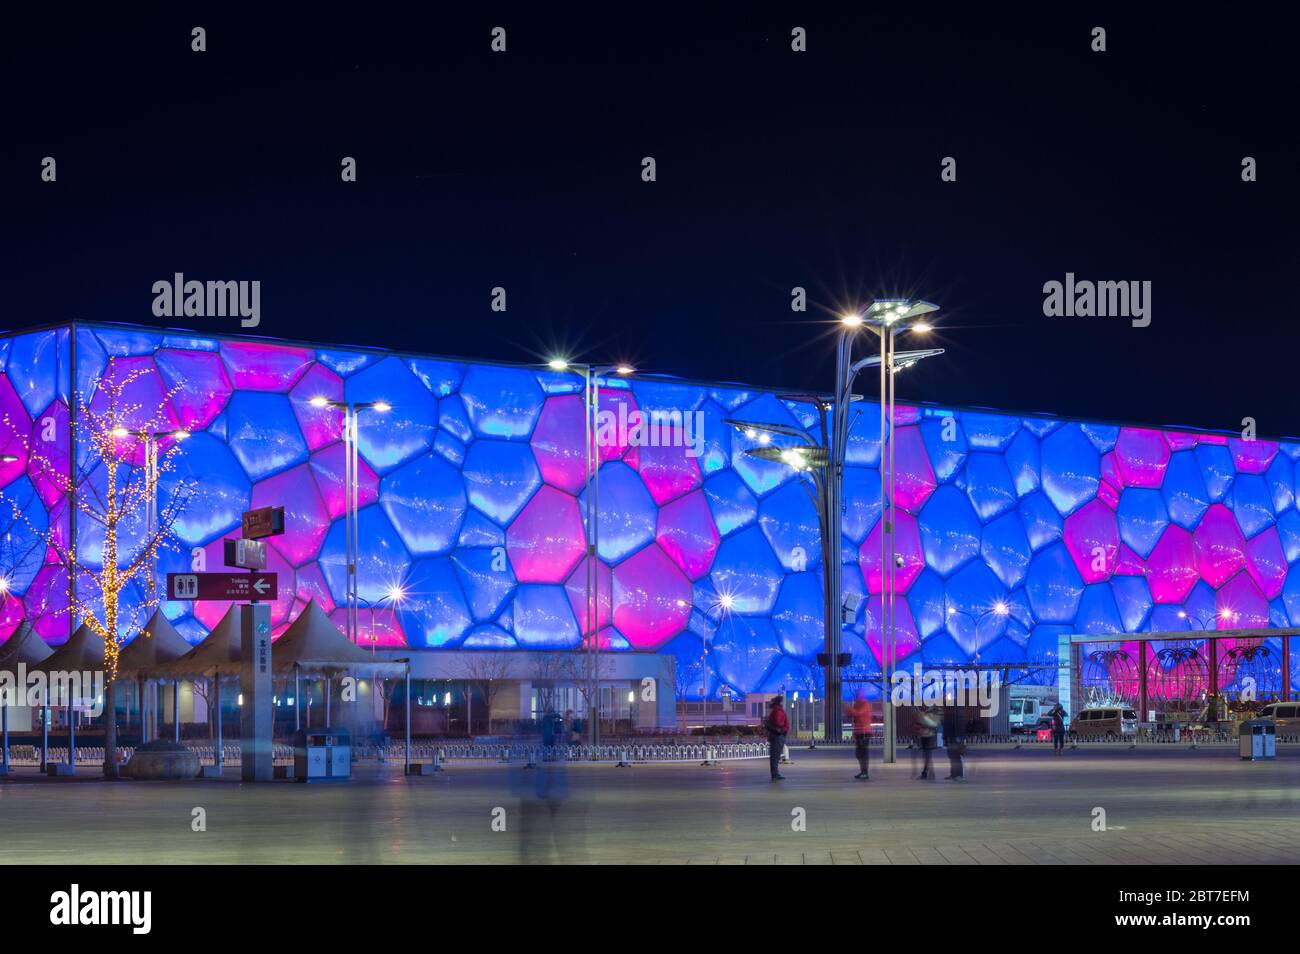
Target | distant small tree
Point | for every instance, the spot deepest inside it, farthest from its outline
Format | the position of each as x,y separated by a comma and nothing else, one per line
546,670
489,668
587,671
203,689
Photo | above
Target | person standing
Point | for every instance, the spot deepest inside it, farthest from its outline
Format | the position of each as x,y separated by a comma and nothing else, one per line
777,725
859,710
924,724
1058,729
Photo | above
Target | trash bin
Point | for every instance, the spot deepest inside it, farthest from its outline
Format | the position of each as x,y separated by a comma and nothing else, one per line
1258,739
320,754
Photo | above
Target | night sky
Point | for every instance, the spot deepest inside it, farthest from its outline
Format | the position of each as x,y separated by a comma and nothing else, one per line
775,169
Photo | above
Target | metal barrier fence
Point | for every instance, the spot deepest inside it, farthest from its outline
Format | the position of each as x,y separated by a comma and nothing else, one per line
703,752
531,754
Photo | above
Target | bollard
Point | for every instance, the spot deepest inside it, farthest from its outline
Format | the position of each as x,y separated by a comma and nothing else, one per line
785,755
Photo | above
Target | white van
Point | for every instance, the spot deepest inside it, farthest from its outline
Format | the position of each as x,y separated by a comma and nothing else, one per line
1285,715
1024,713
1110,722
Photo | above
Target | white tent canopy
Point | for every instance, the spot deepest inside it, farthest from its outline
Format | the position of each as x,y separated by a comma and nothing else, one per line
157,643
24,647
313,645
217,655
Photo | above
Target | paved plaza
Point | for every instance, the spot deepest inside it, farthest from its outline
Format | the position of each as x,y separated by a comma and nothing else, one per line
1163,805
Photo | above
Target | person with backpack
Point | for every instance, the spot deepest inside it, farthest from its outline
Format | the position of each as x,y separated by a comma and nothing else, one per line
777,726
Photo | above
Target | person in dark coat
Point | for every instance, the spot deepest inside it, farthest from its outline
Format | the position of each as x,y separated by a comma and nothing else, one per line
777,725
1057,716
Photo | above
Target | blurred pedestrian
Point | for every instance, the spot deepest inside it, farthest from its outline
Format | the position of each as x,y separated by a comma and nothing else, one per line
777,726
859,710
549,720
954,743
924,725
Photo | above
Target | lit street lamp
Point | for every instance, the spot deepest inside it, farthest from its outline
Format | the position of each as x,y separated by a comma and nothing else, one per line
591,376
885,318
351,468
999,610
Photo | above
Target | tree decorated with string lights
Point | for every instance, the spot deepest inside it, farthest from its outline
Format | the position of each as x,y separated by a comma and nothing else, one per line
113,429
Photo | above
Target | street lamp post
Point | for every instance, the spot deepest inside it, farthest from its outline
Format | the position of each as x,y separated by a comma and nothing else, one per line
884,317
591,376
351,495
824,464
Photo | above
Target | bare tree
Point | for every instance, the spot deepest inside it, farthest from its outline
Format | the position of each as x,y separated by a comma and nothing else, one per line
546,671
587,671
121,500
688,677
489,668
203,689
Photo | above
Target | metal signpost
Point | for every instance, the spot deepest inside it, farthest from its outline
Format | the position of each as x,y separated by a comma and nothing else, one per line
253,588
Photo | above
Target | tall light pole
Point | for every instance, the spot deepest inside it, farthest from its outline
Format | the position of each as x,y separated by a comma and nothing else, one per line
823,465
591,376
885,317
351,468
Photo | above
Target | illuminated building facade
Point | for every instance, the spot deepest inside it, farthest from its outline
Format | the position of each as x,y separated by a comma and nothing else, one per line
1013,530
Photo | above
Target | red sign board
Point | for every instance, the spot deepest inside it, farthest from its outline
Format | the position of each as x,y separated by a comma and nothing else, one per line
241,587
263,522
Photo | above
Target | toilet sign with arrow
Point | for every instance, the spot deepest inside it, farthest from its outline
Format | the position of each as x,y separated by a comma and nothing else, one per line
240,587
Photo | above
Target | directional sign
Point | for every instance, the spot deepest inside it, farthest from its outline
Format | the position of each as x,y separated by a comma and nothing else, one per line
246,554
263,522
240,587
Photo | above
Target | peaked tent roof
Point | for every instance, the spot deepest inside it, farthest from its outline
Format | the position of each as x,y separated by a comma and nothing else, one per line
157,643
24,647
314,644
218,653
84,651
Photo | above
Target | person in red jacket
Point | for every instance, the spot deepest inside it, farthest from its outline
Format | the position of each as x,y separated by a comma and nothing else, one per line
859,710
777,725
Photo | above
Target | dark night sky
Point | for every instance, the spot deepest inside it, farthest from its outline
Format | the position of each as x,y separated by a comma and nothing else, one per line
775,169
